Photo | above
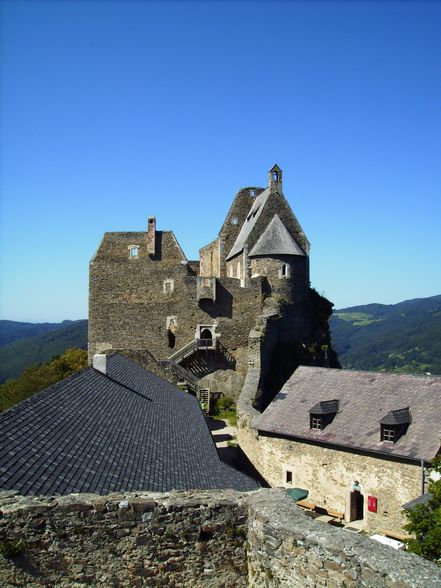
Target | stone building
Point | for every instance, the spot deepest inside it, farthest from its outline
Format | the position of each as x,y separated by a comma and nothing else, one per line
193,318
358,442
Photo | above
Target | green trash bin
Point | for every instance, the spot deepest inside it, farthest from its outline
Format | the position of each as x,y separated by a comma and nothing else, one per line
298,493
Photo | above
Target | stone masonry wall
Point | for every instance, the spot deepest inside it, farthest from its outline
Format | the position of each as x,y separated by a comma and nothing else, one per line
210,259
124,540
286,548
329,474
190,539
133,300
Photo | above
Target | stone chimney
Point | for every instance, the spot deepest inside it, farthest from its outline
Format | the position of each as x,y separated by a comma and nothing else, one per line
151,236
100,362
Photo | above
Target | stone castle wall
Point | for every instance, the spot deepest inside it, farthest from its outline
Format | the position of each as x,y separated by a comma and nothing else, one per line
133,301
190,539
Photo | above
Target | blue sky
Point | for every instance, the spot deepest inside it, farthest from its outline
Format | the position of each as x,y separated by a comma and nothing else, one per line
115,111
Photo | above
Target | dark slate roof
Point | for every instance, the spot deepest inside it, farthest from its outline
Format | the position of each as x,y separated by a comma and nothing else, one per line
397,417
276,240
423,499
326,407
364,399
250,221
124,431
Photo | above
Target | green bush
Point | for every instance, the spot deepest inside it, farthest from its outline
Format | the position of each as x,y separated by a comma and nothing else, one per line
425,522
226,404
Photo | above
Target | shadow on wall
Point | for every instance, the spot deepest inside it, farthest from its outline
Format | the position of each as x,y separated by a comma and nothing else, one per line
223,307
205,362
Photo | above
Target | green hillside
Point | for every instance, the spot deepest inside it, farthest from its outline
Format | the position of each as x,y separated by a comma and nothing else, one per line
13,330
403,337
24,352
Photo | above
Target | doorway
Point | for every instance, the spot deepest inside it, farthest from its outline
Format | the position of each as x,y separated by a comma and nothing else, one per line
357,506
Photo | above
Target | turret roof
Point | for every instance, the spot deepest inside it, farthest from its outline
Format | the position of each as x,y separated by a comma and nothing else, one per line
276,240
249,223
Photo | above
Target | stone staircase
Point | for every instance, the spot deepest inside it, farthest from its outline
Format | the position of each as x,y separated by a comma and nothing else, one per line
193,383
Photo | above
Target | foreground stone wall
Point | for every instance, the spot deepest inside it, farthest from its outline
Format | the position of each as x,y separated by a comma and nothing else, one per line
178,539
190,539
286,548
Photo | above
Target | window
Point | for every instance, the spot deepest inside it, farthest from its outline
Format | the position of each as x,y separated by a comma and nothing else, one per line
252,193
316,423
234,220
322,414
388,433
275,176
168,286
133,249
288,477
394,424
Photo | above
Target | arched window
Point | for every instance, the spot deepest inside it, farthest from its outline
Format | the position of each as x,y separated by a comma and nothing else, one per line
276,176
284,271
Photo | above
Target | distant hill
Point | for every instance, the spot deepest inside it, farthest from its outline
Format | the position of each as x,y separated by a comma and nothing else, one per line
13,330
403,337
30,343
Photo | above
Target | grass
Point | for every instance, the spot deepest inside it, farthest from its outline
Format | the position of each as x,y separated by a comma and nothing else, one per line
230,416
358,319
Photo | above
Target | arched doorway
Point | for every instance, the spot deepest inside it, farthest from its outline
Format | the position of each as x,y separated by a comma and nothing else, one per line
206,338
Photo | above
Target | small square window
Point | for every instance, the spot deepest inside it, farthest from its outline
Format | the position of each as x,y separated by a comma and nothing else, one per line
388,434
168,286
133,251
316,423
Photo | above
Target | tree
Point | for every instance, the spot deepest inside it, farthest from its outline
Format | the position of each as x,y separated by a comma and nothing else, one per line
38,377
425,520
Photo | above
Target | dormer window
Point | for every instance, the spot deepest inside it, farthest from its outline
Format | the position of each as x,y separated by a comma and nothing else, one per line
316,423
322,414
395,424
133,251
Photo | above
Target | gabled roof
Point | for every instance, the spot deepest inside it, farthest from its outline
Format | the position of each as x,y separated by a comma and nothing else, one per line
364,399
276,240
248,225
124,431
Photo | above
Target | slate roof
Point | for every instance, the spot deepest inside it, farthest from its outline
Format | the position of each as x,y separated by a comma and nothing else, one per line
276,240
364,399
250,221
124,431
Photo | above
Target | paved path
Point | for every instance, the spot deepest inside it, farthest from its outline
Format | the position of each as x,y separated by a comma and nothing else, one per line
223,432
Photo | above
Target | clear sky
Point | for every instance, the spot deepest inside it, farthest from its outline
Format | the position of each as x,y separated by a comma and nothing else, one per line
115,111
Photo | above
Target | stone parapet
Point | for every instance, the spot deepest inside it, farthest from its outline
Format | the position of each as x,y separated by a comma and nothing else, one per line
208,539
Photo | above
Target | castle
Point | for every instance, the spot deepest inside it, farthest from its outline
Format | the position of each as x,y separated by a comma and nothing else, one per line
191,320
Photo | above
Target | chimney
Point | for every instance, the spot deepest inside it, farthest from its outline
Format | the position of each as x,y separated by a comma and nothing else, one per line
151,236
100,362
